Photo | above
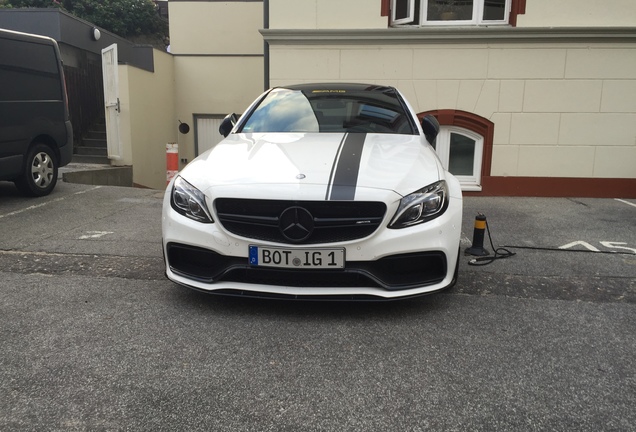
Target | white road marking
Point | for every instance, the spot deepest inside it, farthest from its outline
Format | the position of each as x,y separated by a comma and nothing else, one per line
94,234
33,207
625,202
607,244
614,245
581,243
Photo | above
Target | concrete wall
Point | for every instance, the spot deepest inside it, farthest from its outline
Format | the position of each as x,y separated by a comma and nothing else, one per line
560,109
147,119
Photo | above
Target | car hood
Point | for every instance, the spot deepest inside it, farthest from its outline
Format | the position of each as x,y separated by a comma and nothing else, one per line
321,165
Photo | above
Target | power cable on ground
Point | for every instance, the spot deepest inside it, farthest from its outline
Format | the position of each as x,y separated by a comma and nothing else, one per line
554,249
499,253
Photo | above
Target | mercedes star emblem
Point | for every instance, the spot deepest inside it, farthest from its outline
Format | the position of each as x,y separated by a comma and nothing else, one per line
296,224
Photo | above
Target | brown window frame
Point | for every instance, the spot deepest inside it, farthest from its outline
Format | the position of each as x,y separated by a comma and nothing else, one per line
472,122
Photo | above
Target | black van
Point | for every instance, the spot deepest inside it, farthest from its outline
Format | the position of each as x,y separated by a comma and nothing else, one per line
36,137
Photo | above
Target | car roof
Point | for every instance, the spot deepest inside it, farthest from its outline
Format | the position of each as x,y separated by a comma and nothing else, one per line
340,87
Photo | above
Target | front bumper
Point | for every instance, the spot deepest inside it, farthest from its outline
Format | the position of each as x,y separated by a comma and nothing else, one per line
388,264
394,272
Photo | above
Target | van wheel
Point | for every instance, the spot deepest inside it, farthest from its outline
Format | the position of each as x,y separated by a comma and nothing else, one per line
40,171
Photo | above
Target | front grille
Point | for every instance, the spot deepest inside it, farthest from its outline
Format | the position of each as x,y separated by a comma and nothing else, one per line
394,272
333,221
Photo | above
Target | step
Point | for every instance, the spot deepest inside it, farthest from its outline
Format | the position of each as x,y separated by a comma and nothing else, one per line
91,151
95,134
91,159
93,142
99,175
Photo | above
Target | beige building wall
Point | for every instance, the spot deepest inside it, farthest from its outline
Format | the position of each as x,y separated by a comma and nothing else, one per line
560,109
326,14
202,27
365,14
214,86
218,60
578,13
560,89
147,119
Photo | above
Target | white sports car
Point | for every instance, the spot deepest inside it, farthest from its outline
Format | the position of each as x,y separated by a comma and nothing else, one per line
317,191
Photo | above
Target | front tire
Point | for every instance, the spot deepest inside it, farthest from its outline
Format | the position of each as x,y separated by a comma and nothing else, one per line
39,175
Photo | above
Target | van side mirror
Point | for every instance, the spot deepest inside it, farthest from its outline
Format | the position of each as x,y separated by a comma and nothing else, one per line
228,124
430,126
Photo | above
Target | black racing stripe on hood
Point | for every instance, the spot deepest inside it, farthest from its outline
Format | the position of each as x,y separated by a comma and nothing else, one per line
344,174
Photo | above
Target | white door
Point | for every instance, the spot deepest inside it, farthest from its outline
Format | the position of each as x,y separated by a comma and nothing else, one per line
207,133
111,101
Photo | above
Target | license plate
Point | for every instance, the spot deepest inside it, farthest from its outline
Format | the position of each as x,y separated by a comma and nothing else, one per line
297,258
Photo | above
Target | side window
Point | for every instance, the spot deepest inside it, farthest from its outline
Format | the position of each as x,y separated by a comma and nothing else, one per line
455,12
31,69
461,151
403,11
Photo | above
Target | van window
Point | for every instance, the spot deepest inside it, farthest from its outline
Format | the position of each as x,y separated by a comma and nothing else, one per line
32,70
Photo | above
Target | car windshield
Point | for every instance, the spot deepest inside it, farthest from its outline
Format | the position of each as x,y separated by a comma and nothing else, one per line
330,110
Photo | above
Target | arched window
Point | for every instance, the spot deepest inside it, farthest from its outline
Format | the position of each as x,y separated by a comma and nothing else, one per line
464,146
461,151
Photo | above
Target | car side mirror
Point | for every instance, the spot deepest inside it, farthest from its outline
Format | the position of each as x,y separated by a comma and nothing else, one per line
228,124
430,126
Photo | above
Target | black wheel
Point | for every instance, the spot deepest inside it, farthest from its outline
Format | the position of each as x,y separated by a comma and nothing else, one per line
39,175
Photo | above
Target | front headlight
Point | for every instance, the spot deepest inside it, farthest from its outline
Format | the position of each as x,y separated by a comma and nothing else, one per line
189,201
421,206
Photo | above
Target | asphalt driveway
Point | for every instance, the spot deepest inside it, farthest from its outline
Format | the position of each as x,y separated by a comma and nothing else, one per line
95,338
